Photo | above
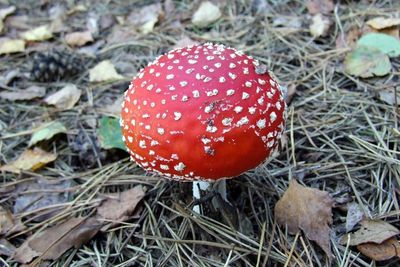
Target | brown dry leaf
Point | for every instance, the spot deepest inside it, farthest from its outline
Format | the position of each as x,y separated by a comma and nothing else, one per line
375,231
379,252
66,98
27,94
104,71
54,241
8,46
320,6
78,38
380,23
307,209
320,25
31,159
40,33
120,206
145,18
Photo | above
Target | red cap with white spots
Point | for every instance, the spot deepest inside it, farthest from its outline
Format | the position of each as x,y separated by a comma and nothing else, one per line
202,112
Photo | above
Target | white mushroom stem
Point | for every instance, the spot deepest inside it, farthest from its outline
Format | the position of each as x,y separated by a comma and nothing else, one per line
201,188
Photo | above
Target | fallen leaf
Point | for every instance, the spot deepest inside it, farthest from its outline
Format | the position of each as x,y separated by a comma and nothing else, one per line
8,46
66,98
120,206
379,252
307,209
385,43
54,241
27,94
40,197
320,6
4,12
31,159
78,38
380,23
320,25
110,135
365,62
47,131
104,71
145,18
390,96
354,215
206,14
6,248
375,231
40,33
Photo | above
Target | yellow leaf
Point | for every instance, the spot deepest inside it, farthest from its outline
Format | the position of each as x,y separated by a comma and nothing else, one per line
65,98
380,23
78,38
104,71
319,26
40,33
31,159
206,14
11,46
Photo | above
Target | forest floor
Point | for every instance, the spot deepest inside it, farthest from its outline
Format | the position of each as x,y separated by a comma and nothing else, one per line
63,172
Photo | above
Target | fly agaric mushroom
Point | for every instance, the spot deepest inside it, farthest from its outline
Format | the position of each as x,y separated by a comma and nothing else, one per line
202,113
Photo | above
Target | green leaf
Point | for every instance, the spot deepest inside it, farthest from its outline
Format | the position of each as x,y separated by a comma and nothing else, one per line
385,43
110,134
365,61
47,131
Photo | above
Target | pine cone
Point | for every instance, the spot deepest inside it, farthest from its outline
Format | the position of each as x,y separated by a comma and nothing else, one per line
55,65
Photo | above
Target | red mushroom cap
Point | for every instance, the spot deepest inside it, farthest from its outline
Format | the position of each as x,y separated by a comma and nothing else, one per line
202,112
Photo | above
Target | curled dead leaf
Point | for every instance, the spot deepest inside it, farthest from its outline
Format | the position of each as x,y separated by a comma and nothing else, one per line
31,159
309,210
380,23
386,250
54,241
375,231
120,206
